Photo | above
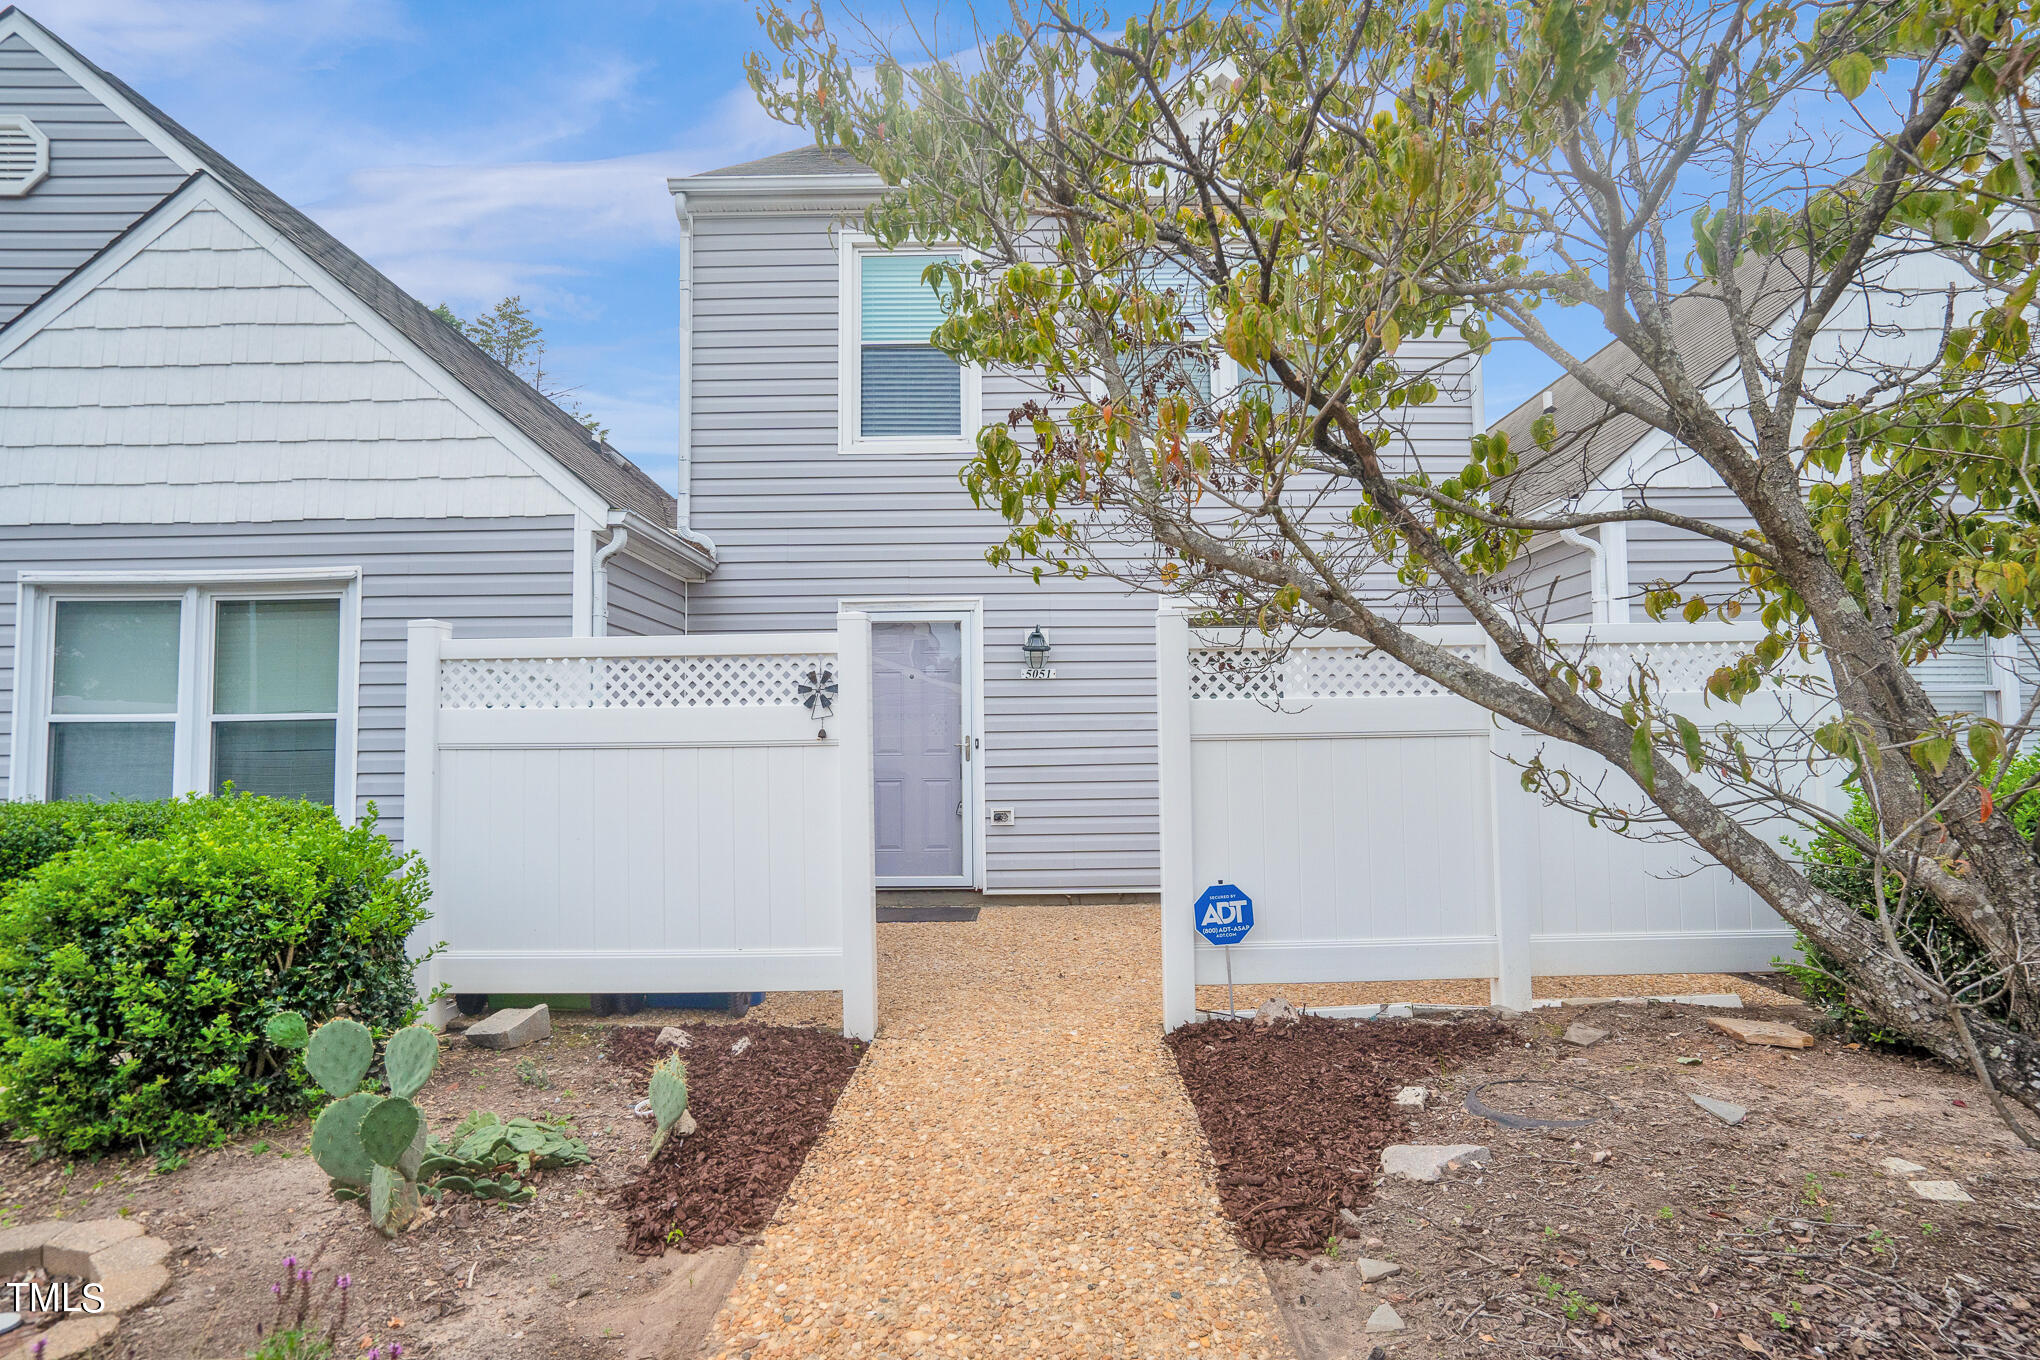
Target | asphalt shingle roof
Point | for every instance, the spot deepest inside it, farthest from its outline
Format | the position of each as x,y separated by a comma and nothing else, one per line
1592,435
803,160
622,483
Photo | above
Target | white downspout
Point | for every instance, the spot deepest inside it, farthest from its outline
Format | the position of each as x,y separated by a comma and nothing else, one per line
1598,580
685,490
618,536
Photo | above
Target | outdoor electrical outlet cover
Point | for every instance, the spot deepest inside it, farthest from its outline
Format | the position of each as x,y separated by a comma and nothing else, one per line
1002,816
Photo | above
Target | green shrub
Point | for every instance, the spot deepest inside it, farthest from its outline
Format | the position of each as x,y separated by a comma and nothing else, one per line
139,966
1927,933
31,834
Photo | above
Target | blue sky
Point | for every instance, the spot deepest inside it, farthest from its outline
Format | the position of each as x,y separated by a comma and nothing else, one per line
476,150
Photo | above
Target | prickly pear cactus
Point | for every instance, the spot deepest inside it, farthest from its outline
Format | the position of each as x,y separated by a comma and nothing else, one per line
393,1202
389,1129
669,1098
339,1055
408,1059
286,1029
336,1140
375,1147
372,1146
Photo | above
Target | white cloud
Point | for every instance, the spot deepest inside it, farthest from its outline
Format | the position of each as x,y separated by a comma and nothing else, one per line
476,232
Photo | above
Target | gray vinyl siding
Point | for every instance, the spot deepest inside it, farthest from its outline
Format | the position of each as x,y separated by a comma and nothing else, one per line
1696,565
1958,678
800,526
644,601
103,176
1555,584
488,578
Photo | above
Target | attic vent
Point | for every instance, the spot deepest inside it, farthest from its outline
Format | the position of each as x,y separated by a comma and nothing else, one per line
24,155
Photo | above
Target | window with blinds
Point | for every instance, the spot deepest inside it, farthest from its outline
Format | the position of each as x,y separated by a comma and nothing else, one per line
906,388
128,692
113,698
276,697
1183,368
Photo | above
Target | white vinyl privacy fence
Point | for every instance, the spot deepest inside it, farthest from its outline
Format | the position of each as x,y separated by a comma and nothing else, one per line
1376,822
671,814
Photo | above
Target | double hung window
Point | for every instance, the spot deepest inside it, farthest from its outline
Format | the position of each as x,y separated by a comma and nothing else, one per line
152,690
900,393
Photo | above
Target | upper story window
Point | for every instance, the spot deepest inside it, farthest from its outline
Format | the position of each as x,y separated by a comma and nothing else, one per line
149,690
1183,368
900,393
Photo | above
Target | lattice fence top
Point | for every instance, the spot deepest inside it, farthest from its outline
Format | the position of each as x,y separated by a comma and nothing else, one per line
1311,673
1676,667
630,681
1304,673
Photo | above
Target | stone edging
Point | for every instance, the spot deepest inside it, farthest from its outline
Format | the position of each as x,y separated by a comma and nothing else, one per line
114,1253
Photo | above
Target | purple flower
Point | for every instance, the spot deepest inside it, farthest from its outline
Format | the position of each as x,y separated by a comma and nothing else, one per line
396,1350
345,1281
290,1263
277,1290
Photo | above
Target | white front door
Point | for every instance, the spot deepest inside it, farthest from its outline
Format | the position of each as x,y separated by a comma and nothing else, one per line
923,750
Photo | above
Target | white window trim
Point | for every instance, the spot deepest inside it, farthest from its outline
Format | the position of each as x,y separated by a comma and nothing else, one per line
37,594
852,247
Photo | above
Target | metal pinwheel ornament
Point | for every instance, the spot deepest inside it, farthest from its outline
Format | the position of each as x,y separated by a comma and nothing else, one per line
818,695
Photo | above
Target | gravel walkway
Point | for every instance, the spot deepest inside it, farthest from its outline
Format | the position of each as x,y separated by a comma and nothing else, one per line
1014,1170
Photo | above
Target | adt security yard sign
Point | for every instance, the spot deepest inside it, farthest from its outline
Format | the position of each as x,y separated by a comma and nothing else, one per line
1224,914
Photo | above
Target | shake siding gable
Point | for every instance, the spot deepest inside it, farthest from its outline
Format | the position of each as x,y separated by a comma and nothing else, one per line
104,175
206,380
194,391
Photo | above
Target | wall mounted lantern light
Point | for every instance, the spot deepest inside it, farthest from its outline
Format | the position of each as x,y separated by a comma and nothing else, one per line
1036,648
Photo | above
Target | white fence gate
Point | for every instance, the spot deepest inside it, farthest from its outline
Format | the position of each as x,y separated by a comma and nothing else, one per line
1383,835
646,814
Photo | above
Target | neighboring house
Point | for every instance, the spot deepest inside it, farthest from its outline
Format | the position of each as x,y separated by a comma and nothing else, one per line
235,460
822,437
1600,458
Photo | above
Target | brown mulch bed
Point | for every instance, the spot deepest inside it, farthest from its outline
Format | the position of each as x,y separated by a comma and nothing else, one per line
1297,1114
1658,1230
757,1112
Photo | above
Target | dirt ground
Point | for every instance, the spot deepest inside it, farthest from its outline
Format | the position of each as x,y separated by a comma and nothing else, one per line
1660,1231
477,1280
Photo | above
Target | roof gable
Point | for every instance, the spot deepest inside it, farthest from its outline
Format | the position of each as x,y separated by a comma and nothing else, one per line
1592,436
100,174
619,482
204,368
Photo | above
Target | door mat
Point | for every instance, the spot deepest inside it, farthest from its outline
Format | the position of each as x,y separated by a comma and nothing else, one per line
890,914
